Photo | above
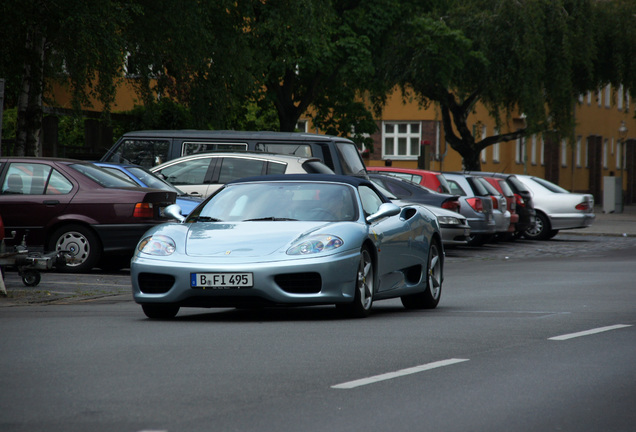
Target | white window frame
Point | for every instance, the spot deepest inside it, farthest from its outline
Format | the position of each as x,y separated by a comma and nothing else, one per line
396,135
564,153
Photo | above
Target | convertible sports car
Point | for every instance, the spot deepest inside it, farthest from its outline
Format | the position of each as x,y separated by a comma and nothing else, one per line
308,239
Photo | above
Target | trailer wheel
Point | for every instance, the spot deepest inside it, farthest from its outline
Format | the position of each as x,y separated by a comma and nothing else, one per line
31,278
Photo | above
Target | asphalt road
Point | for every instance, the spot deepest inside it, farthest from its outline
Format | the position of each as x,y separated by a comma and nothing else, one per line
534,337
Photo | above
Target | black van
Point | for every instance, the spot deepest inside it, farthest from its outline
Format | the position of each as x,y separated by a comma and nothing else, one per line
152,147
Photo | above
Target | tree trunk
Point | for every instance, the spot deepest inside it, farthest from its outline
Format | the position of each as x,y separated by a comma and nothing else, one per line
29,107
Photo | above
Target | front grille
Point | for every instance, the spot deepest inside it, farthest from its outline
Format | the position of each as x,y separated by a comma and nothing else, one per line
155,283
299,283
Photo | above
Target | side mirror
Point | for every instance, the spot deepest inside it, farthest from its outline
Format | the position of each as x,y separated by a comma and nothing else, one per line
173,211
385,210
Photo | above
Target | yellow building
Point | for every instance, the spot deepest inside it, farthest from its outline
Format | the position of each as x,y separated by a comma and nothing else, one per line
409,135
603,144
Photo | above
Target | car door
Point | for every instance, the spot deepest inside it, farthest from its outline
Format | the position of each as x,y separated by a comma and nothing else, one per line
32,195
393,237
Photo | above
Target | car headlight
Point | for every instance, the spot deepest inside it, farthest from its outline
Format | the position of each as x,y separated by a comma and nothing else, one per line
157,245
448,220
315,244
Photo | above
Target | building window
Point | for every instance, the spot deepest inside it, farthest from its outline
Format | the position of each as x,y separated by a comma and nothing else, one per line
542,151
589,98
620,97
495,147
301,126
619,161
484,134
608,96
578,152
401,140
587,153
564,153
520,150
605,146
533,150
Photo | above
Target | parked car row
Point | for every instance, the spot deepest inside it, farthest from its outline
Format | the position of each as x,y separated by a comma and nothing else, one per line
95,213
506,206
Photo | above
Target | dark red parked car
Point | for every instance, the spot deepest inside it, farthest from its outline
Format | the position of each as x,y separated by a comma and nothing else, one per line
67,205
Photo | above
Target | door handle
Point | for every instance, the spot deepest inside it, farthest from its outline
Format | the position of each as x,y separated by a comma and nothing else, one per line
50,202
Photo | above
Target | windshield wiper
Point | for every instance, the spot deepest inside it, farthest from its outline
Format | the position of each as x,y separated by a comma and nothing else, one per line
269,218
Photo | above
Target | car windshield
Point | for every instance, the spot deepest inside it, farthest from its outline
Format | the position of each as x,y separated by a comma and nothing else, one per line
279,201
101,176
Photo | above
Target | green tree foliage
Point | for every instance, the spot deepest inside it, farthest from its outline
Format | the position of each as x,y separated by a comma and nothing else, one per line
318,55
74,41
523,56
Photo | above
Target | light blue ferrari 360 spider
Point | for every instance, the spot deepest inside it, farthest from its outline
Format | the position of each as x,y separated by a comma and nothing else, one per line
291,240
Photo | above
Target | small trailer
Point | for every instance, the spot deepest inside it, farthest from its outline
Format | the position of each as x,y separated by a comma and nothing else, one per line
28,264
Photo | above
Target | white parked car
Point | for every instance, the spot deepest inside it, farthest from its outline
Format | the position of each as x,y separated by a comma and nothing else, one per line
203,173
556,208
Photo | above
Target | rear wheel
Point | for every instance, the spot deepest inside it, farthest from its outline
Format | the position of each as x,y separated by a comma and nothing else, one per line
540,230
429,298
160,311
79,245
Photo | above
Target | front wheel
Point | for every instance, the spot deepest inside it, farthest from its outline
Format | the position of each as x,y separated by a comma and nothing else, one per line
429,298
79,245
365,283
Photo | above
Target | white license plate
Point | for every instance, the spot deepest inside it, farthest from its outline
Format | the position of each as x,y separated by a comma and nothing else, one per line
221,280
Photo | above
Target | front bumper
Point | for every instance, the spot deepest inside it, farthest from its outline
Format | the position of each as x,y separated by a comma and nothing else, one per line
337,275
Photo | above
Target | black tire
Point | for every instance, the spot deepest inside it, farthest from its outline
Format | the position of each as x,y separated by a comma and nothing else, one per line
540,230
31,278
79,244
364,289
477,239
160,310
429,298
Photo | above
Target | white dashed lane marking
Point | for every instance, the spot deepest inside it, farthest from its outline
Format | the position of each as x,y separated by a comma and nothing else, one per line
588,332
397,374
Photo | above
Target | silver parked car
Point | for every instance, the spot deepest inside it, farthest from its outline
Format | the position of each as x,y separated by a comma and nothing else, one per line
452,224
556,208
202,174
476,206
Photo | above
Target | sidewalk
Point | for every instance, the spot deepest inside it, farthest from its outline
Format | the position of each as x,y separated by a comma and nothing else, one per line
610,224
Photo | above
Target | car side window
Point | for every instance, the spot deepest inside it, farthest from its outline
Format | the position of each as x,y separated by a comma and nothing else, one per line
235,168
25,179
146,153
276,168
455,188
370,200
188,172
58,184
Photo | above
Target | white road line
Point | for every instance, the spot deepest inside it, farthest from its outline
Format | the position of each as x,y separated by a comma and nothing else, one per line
588,332
396,374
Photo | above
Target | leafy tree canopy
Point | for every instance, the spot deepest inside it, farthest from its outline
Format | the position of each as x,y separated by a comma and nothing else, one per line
523,56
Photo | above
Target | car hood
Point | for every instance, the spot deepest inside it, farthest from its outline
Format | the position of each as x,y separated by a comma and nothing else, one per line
245,239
